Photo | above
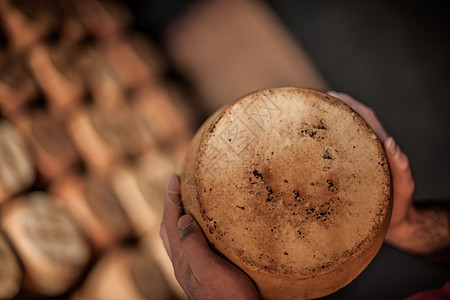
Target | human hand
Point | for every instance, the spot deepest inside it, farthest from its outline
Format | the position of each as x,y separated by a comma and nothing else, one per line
403,211
201,272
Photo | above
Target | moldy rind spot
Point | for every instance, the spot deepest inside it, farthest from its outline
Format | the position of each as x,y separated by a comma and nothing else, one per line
212,228
327,154
313,130
331,186
308,132
257,174
270,195
321,125
297,195
300,234
321,213
211,128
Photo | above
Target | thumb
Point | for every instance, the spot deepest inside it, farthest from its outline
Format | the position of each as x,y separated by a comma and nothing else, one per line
201,259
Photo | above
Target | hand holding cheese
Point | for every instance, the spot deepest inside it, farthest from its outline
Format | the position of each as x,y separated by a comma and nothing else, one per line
422,231
201,272
292,186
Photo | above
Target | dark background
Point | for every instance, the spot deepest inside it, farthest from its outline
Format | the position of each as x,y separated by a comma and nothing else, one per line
395,57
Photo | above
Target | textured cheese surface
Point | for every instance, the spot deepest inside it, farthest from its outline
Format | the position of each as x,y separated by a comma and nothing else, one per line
292,183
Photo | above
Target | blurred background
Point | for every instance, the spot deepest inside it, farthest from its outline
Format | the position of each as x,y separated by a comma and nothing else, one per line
99,99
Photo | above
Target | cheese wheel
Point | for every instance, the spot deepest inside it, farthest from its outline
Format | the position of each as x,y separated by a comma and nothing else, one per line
50,147
10,272
53,251
95,206
16,172
293,187
57,80
140,189
125,274
16,86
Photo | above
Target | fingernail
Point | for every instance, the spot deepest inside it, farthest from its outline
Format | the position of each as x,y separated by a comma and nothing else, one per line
184,221
173,180
173,189
333,93
172,184
391,146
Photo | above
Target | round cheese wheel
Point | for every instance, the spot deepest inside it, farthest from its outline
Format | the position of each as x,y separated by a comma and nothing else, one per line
53,251
293,187
125,273
11,273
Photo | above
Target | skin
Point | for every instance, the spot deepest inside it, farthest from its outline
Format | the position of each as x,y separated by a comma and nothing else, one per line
205,275
201,273
413,230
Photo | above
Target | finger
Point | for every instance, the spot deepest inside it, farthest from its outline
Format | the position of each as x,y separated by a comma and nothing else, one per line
203,262
400,168
163,234
401,177
347,99
364,111
171,213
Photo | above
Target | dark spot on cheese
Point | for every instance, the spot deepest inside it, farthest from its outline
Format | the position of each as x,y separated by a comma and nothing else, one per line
327,154
257,174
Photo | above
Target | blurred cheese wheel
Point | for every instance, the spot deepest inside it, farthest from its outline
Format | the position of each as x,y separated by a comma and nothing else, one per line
48,142
125,273
16,86
50,245
293,187
95,206
10,271
59,83
16,169
140,189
